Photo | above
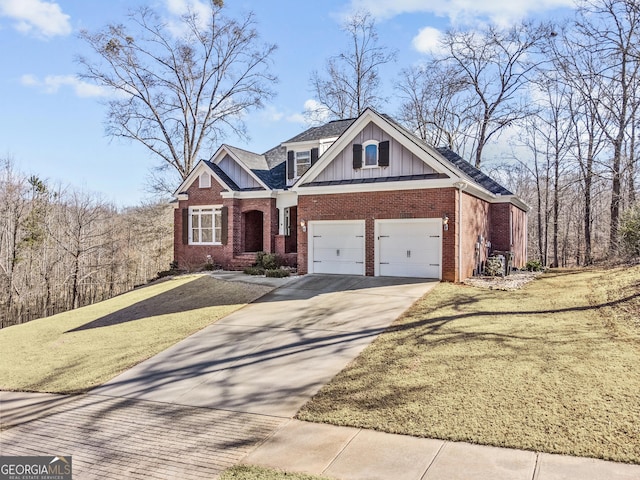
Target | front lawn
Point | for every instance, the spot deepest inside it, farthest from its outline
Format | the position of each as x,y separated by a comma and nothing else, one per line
246,472
554,367
77,350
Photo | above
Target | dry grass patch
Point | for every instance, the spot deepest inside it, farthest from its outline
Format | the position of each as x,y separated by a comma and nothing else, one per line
77,350
554,367
247,472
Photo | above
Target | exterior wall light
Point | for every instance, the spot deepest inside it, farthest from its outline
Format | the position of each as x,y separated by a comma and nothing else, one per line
303,224
445,221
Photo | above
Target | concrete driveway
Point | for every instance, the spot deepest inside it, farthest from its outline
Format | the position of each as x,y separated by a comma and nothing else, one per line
202,405
270,357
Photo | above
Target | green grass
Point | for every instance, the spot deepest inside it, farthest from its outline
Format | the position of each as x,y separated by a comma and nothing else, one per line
246,472
74,351
554,367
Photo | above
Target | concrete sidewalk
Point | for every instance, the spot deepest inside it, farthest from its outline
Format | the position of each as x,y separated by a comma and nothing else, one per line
355,454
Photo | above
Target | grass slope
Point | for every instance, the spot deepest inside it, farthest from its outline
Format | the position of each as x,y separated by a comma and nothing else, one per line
74,351
554,367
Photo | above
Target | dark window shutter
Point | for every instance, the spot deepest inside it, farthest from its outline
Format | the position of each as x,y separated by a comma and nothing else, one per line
185,226
291,166
314,156
383,154
357,156
224,225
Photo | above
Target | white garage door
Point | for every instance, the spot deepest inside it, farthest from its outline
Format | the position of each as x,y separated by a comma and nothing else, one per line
409,248
336,247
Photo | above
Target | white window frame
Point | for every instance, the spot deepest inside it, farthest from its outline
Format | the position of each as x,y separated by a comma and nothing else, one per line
364,153
204,180
287,221
216,223
307,154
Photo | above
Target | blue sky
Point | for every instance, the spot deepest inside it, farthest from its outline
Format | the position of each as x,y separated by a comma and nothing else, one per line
51,124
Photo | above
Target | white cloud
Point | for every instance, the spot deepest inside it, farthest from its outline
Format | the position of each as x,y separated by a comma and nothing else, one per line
272,114
37,17
52,84
177,8
180,7
462,11
428,41
315,112
297,118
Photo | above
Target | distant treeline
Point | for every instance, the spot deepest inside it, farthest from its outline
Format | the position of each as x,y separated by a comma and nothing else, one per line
62,248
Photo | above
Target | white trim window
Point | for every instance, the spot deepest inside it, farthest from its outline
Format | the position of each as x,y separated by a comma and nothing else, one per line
287,221
205,225
371,151
204,181
303,162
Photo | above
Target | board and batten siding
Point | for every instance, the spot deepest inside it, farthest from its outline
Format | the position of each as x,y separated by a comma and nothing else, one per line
401,161
238,174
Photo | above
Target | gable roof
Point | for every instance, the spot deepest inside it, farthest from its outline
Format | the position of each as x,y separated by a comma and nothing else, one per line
446,162
216,172
269,168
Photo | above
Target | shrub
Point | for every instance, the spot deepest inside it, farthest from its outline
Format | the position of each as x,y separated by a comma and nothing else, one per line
277,273
268,261
630,232
173,270
534,266
494,267
254,271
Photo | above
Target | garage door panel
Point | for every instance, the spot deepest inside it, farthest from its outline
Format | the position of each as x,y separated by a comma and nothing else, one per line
410,270
338,254
338,247
409,248
347,241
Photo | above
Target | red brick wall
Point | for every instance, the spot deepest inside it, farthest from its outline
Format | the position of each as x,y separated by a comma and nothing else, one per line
507,237
194,256
476,222
369,206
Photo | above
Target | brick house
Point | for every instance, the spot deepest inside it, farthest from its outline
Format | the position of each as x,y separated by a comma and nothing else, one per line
361,197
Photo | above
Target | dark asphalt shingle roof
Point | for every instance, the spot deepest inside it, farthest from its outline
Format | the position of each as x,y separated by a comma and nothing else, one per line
223,176
328,130
482,179
476,175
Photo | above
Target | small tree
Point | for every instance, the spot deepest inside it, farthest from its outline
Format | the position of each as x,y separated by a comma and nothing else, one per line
179,87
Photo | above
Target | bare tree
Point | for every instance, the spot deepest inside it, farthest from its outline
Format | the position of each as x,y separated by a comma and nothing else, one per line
179,87
351,81
611,30
496,65
435,104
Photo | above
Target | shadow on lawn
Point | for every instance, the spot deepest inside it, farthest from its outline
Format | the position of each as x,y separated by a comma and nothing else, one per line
200,293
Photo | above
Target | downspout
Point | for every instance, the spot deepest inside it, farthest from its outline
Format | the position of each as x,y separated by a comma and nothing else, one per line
460,186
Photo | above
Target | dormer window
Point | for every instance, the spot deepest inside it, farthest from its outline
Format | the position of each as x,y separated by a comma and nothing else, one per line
370,154
303,162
